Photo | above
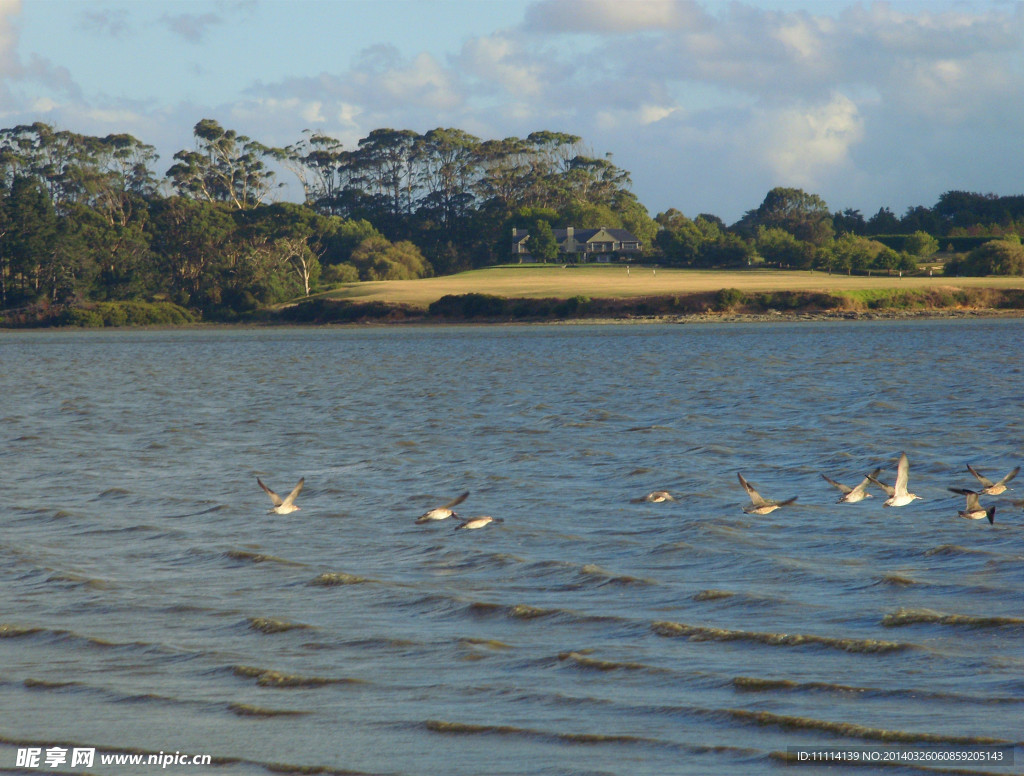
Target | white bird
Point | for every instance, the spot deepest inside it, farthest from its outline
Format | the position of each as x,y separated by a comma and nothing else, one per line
852,495
478,522
974,510
287,504
442,513
992,488
759,505
898,494
655,497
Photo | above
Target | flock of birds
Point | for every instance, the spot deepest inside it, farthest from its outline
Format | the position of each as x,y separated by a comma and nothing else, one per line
898,496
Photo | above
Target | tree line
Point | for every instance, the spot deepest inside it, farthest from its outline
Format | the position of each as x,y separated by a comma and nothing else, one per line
89,219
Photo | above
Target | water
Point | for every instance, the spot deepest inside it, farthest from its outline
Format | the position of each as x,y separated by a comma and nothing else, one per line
150,604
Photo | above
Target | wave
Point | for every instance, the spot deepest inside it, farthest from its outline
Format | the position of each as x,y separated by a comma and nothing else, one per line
462,728
954,549
334,578
902,617
896,580
583,660
258,557
248,710
527,612
712,595
853,730
271,625
8,631
113,493
756,684
704,633
278,679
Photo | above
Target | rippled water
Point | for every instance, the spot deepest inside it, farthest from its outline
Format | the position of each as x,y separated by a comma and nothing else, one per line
150,604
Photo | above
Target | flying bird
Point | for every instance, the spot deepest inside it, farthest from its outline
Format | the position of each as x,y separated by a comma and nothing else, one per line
974,510
852,495
992,488
759,505
898,494
442,513
655,497
478,522
285,505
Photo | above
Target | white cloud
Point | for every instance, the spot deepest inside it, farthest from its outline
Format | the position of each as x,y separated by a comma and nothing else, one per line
612,16
189,26
9,10
803,145
503,62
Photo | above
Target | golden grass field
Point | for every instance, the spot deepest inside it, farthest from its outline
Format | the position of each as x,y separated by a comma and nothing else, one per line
608,281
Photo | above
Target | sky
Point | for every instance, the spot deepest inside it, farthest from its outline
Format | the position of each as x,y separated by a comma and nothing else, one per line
708,104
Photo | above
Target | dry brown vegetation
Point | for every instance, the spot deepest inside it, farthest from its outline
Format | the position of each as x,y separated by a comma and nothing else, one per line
614,282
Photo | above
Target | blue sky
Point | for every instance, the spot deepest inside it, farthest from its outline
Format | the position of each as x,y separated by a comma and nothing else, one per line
708,104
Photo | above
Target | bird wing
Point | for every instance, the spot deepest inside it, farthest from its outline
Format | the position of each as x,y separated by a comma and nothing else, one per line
881,484
1009,476
983,480
273,496
784,503
456,501
864,483
837,485
755,497
295,492
972,497
902,475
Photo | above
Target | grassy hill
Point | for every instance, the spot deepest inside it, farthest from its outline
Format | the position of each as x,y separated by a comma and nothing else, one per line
616,282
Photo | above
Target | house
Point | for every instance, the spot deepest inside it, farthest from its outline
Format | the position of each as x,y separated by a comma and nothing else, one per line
601,244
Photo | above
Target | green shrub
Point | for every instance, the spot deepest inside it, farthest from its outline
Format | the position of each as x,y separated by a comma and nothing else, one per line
80,316
464,306
728,298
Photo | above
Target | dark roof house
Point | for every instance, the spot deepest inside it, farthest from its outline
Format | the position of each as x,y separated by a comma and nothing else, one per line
601,244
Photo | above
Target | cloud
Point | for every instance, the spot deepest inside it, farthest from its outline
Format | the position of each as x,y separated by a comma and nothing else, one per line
612,16
802,145
111,21
191,27
9,10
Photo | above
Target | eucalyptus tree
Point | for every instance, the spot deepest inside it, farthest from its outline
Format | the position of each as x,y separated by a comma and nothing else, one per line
447,162
504,174
317,161
30,229
223,167
40,151
382,167
189,237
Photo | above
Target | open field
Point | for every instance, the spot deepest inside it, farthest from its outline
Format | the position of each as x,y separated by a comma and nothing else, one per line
603,281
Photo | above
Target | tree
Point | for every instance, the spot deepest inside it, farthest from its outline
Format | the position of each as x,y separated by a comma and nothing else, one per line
28,250
849,221
225,167
883,222
678,238
920,244
447,162
850,252
996,257
805,216
315,161
378,259
778,246
541,243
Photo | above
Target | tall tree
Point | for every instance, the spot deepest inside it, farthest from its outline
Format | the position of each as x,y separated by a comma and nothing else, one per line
805,216
224,167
